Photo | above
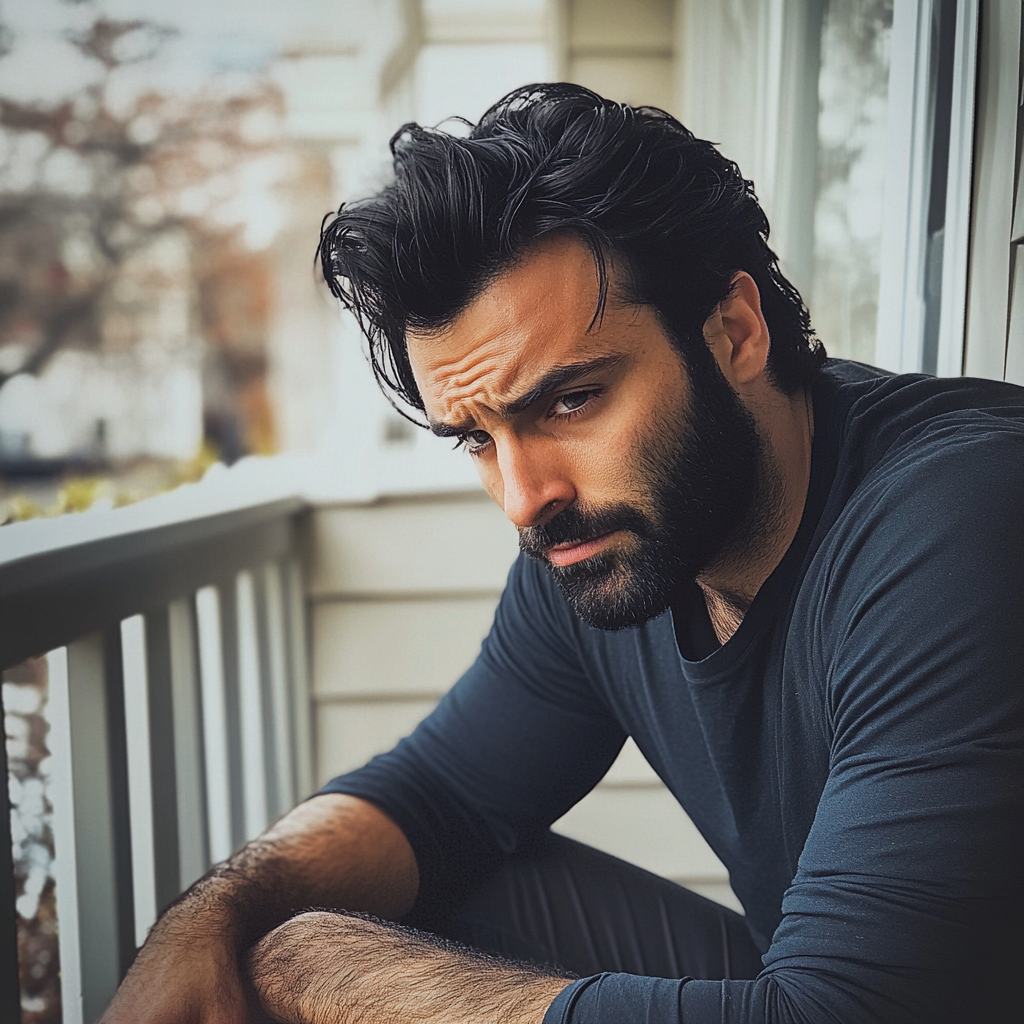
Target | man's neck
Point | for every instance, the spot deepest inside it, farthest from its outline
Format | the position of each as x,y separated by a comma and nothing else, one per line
786,425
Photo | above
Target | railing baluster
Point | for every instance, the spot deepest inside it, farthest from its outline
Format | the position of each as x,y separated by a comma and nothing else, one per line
250,710
303,751
281,731
140,778
163,761
117,753
94,851
189,759
117,763
232,704
65,859
215,723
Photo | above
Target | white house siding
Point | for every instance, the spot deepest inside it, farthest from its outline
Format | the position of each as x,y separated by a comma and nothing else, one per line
623,51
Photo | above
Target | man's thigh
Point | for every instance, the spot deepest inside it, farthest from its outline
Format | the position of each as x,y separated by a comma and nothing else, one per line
569,905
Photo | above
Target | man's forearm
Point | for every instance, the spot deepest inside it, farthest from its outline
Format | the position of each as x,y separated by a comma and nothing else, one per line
332,851
326,968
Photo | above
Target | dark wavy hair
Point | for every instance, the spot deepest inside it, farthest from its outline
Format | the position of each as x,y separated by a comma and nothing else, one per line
674,217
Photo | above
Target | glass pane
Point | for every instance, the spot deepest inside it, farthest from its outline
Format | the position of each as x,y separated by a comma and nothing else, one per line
25,694
852,93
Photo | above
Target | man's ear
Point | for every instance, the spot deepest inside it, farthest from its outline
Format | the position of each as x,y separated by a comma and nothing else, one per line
737,334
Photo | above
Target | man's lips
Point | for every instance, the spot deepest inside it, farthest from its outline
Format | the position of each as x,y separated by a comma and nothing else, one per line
576,551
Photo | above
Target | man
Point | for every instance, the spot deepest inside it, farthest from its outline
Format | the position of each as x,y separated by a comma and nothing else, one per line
797,584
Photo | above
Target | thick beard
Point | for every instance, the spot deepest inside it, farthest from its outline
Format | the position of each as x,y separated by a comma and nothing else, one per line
704,477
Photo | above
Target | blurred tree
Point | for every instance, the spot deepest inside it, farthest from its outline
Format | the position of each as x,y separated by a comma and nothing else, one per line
94,180
233,292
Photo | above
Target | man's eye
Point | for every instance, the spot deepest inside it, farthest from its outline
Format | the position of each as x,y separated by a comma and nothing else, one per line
474,440
566,405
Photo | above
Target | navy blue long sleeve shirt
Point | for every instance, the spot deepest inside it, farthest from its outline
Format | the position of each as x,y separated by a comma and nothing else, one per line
853,754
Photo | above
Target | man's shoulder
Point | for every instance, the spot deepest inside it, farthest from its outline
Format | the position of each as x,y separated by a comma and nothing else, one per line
900,426
935,516
929,490
954,476
874,404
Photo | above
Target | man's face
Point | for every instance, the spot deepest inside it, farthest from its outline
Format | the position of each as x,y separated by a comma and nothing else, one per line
622,476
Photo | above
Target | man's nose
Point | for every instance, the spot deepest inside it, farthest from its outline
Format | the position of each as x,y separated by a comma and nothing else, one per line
535,488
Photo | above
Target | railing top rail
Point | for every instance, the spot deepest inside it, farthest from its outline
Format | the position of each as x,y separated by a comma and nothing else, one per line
61,578
249,485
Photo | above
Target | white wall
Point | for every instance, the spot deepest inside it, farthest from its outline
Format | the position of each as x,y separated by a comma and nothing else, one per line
623,51
995,293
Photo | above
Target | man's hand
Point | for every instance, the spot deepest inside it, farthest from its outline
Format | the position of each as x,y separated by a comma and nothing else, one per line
332,851
328,968
187,972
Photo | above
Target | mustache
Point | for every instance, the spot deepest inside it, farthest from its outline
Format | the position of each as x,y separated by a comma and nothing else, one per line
576,523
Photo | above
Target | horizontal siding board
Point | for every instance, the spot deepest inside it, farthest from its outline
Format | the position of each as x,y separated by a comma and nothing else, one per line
611,23
720,892
403,646
348,735
405,547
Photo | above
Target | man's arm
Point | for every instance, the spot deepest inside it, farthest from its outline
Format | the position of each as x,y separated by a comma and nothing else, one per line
324,968
332,851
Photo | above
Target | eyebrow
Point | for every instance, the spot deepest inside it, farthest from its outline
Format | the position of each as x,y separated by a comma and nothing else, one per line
557,377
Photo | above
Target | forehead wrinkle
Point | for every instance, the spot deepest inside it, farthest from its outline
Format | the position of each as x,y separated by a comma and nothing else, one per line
483,378
506,339
523,381
561,375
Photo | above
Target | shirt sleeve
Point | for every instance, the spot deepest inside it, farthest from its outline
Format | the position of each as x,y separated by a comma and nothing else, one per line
518,740
907,902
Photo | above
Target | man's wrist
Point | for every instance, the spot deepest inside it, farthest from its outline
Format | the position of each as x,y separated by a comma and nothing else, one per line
230,904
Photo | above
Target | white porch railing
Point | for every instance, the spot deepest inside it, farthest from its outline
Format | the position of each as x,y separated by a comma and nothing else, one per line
178,705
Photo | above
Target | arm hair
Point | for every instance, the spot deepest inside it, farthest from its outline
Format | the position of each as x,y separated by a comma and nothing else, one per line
333,968
331,851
